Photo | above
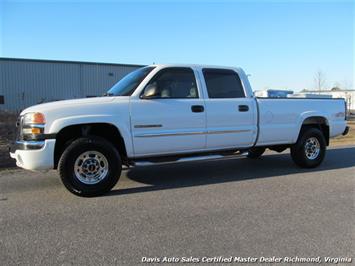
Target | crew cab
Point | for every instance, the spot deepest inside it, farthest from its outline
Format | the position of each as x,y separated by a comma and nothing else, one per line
169,113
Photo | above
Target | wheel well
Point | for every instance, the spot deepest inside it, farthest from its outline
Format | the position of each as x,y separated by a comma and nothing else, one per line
317,122
68,134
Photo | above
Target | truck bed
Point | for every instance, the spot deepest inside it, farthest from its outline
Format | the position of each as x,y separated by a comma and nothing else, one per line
280,119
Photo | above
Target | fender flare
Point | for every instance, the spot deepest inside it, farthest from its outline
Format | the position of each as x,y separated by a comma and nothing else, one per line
306,115
124,131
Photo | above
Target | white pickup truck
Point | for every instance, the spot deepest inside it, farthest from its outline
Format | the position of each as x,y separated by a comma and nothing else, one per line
164,113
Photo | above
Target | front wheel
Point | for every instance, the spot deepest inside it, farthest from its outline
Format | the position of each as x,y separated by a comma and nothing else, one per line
310,148
90,167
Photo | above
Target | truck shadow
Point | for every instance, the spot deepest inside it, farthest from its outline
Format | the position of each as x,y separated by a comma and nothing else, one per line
171,176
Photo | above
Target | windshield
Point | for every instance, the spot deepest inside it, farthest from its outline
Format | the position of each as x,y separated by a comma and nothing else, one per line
127,85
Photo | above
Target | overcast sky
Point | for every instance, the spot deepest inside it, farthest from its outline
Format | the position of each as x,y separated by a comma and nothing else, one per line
280,43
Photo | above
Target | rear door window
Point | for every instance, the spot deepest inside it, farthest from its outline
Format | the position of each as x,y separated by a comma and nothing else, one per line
223,83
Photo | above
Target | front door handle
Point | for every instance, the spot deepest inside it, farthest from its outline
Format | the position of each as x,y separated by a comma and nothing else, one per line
197,108
243,108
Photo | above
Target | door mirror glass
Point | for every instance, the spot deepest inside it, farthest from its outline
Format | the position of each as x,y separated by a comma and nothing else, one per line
151,91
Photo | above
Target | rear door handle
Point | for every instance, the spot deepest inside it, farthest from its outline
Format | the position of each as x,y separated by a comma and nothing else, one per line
197,108
243,108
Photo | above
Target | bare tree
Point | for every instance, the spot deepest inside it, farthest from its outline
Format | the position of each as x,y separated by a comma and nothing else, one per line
319,79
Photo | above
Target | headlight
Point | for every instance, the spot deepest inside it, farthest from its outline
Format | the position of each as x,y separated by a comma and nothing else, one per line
33,125
33,118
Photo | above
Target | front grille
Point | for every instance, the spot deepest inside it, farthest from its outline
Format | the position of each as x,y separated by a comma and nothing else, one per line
19,128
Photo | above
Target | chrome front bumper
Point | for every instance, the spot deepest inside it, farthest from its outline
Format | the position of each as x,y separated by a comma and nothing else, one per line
26,145
34,155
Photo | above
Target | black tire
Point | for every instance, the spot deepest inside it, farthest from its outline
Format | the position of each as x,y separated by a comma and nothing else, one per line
109,165
303,156
255,152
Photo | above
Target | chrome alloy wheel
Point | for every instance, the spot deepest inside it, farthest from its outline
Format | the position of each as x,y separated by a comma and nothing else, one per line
312,148
91,167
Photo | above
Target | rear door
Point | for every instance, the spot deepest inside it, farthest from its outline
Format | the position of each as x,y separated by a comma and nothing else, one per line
231,116
174,121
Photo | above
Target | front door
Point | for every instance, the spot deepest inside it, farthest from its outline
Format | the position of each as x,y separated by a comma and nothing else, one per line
173,120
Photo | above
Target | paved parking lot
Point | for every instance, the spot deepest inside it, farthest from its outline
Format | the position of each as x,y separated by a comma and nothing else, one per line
236,207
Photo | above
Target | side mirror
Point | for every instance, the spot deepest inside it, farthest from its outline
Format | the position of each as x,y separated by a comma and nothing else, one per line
150,92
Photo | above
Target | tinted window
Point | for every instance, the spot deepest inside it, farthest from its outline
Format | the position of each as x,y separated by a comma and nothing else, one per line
177,82
223,83
127,85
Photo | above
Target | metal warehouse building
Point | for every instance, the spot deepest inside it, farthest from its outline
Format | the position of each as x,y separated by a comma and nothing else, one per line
25,82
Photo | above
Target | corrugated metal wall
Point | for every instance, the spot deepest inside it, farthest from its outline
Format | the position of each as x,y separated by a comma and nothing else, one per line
27,82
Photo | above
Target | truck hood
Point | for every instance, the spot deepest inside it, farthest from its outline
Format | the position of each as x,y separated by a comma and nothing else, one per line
65,104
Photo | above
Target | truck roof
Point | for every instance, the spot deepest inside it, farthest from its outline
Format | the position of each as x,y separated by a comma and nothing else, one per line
197,66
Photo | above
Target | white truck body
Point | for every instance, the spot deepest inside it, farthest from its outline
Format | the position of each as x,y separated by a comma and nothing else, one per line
221,126
159,127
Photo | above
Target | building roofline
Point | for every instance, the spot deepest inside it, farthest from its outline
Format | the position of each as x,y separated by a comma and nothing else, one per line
317,91
112,64
66,62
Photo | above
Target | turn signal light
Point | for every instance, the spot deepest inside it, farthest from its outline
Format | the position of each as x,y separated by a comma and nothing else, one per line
36,130
32,130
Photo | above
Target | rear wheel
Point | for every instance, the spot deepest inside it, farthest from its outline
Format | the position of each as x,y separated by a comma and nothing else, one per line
256,152
90,166
310,148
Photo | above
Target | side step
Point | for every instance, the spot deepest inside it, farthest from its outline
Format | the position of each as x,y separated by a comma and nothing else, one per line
186,159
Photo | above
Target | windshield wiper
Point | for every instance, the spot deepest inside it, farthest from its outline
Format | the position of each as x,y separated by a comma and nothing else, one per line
108,94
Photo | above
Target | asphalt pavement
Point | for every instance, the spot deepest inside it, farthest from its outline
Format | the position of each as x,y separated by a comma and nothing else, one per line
230,208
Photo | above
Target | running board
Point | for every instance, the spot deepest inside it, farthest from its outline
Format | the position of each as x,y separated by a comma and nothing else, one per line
187,159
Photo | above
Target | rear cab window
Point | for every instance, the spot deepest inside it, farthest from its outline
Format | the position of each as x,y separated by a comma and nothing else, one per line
223,83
